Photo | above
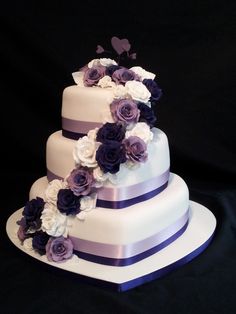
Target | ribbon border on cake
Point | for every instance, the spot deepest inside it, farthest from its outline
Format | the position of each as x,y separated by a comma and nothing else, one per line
124,255
119,198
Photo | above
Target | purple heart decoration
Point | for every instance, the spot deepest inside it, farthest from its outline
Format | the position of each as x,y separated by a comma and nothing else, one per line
100,49
120,45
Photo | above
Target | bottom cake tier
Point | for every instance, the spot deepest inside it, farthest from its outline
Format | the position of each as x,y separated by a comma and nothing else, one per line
121,237
190,244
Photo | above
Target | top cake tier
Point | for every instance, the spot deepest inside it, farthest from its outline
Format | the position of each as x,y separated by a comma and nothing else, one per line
85,108
108,92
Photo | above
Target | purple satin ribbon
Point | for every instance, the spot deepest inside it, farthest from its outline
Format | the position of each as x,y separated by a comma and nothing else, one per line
125,286
123,255
118,198
74,129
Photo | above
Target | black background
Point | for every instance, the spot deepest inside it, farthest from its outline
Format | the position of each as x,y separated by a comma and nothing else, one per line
191,47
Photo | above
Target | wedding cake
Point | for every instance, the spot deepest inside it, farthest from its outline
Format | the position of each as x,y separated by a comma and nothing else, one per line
109,208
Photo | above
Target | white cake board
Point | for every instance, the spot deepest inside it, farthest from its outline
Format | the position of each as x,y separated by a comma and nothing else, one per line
192,242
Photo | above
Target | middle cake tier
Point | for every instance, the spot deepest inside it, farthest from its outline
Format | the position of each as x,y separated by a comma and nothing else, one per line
132,185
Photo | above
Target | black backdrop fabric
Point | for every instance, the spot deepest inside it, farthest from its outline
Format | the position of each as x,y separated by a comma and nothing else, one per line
191,47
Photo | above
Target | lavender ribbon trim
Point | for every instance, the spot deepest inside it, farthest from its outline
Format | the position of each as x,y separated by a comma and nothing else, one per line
161,272
52,176
129,202
134,190
75,129
123,255
72,135
118,198
133,259
125,286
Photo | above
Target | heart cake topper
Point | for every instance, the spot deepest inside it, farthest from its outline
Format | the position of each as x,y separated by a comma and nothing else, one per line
121,46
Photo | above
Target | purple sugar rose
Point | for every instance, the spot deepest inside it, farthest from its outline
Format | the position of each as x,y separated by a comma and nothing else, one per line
125,110
40,239
111,132
59,249
67,202
93,75
136,149
32,212
109,156
153,88
146,114
111,69
22,231
123,75
80,181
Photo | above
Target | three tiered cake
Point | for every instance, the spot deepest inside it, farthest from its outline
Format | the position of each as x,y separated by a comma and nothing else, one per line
109,208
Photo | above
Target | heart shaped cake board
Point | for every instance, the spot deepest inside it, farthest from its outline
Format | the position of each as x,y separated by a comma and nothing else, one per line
191,243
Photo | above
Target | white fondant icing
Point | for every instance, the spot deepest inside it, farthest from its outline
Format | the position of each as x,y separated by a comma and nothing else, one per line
60,159
86,103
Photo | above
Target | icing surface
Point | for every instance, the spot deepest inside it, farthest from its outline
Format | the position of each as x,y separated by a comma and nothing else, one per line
59,158
90,104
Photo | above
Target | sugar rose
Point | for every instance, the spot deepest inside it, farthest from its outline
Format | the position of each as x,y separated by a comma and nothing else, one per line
136,149
93,75
142,130
84,152
138,91
59,249
110,156
53,222
80,181
124,110
111,132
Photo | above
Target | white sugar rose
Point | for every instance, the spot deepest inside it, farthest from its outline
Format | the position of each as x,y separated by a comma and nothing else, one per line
88,203
99,177
92,134
143,74
120,91
94,62
138,91
106,62
53,222
52,190
142,130
85,152
28,244
78,78
105,82
102,61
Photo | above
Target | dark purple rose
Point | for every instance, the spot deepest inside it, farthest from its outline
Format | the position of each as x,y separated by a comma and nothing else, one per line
111,69
32,212
123,75
146,114
153,88
40,239
109,156
80,181
125,110
136,149
59,249
67,202
111,132
93,75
